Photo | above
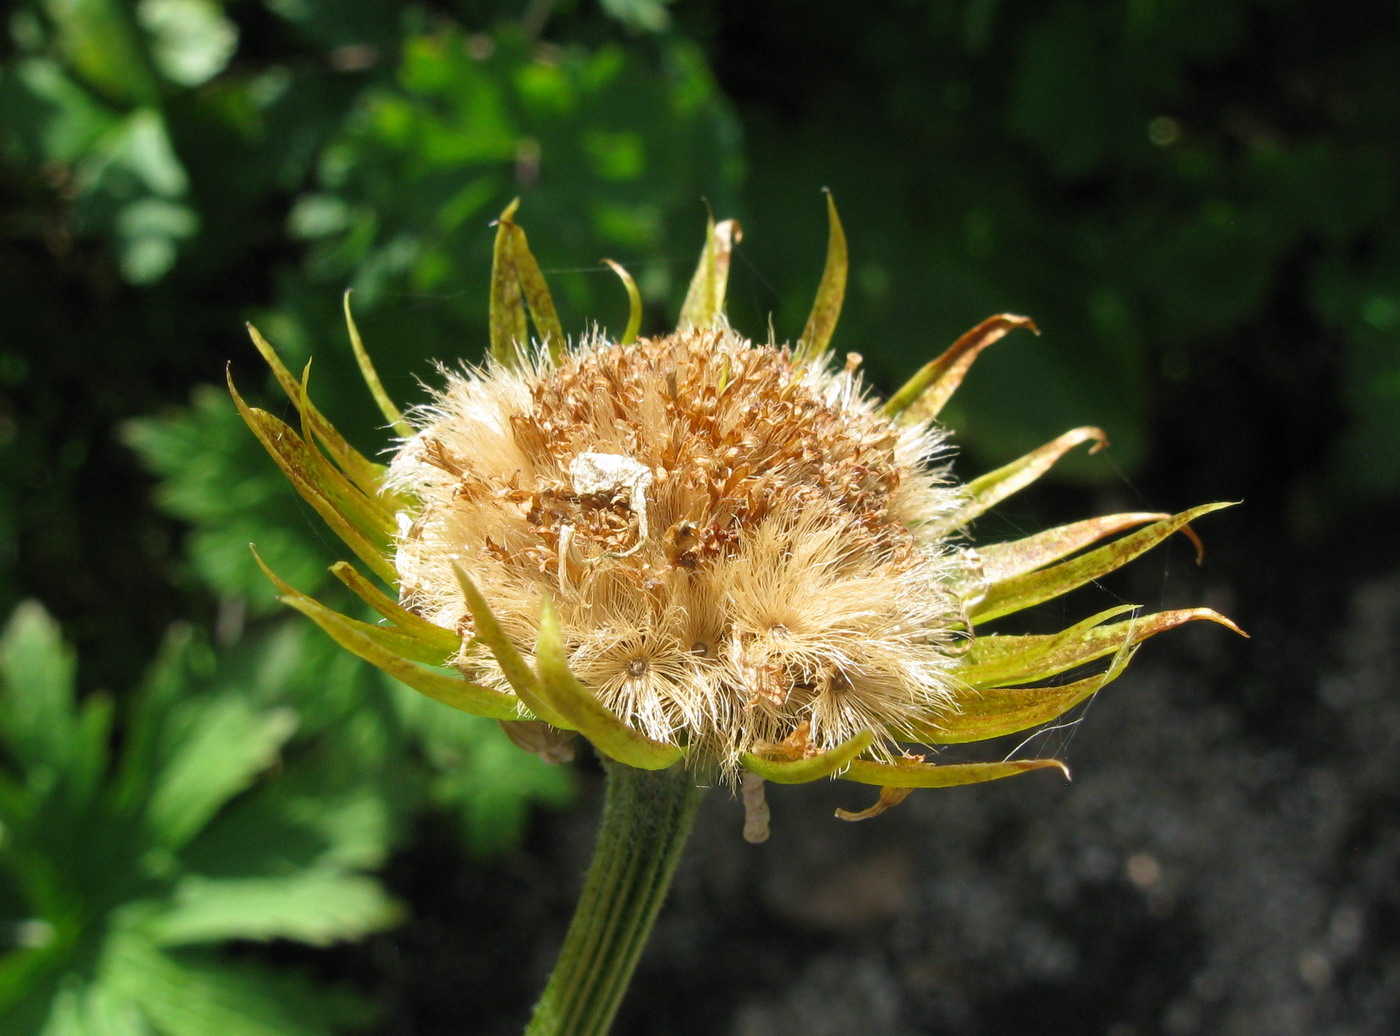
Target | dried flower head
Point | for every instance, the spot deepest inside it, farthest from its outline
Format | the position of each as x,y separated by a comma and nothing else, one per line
695,548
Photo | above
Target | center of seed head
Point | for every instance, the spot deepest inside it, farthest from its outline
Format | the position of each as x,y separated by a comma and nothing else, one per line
637,667
609,473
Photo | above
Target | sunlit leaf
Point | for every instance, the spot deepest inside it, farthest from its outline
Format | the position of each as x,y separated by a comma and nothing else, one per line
517,671
224,745
38,720
518,288
443,643
996,711
317,906
297,462
634,303
366,474
449,690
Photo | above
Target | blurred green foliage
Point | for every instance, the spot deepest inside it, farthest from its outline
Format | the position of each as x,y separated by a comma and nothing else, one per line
1167,188
252,794
124,869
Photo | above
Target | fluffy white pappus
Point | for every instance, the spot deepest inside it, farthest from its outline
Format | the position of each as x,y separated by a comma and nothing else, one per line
739,549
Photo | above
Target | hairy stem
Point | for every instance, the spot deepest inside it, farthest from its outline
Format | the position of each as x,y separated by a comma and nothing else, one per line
647,816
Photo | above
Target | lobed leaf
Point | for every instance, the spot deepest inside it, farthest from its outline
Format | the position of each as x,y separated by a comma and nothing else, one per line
39,718
226,744
923,396
831,292
586,713
317,906
1023,591
799,771
194,993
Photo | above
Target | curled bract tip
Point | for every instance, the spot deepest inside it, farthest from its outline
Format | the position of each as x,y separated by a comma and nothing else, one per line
634,302
807,768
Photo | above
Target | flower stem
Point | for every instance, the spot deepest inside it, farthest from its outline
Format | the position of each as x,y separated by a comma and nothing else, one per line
647,816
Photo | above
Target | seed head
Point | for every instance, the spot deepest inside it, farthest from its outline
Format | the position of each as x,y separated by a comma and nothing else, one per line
697,549
736,544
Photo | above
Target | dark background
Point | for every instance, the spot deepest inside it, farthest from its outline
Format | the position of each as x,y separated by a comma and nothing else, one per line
1196,202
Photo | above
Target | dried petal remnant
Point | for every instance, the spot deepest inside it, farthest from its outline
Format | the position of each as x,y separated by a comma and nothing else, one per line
737,545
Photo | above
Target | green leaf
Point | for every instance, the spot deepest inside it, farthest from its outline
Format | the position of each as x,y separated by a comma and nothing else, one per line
645,15
444,643
369,644
999,661
364,473
101,41
191,41
412,642
1001,561
996,711
634,303
337,802
38,719
518,673
518,288
391,413
215,477
216,751
192,993
354,521
317,907
66,123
